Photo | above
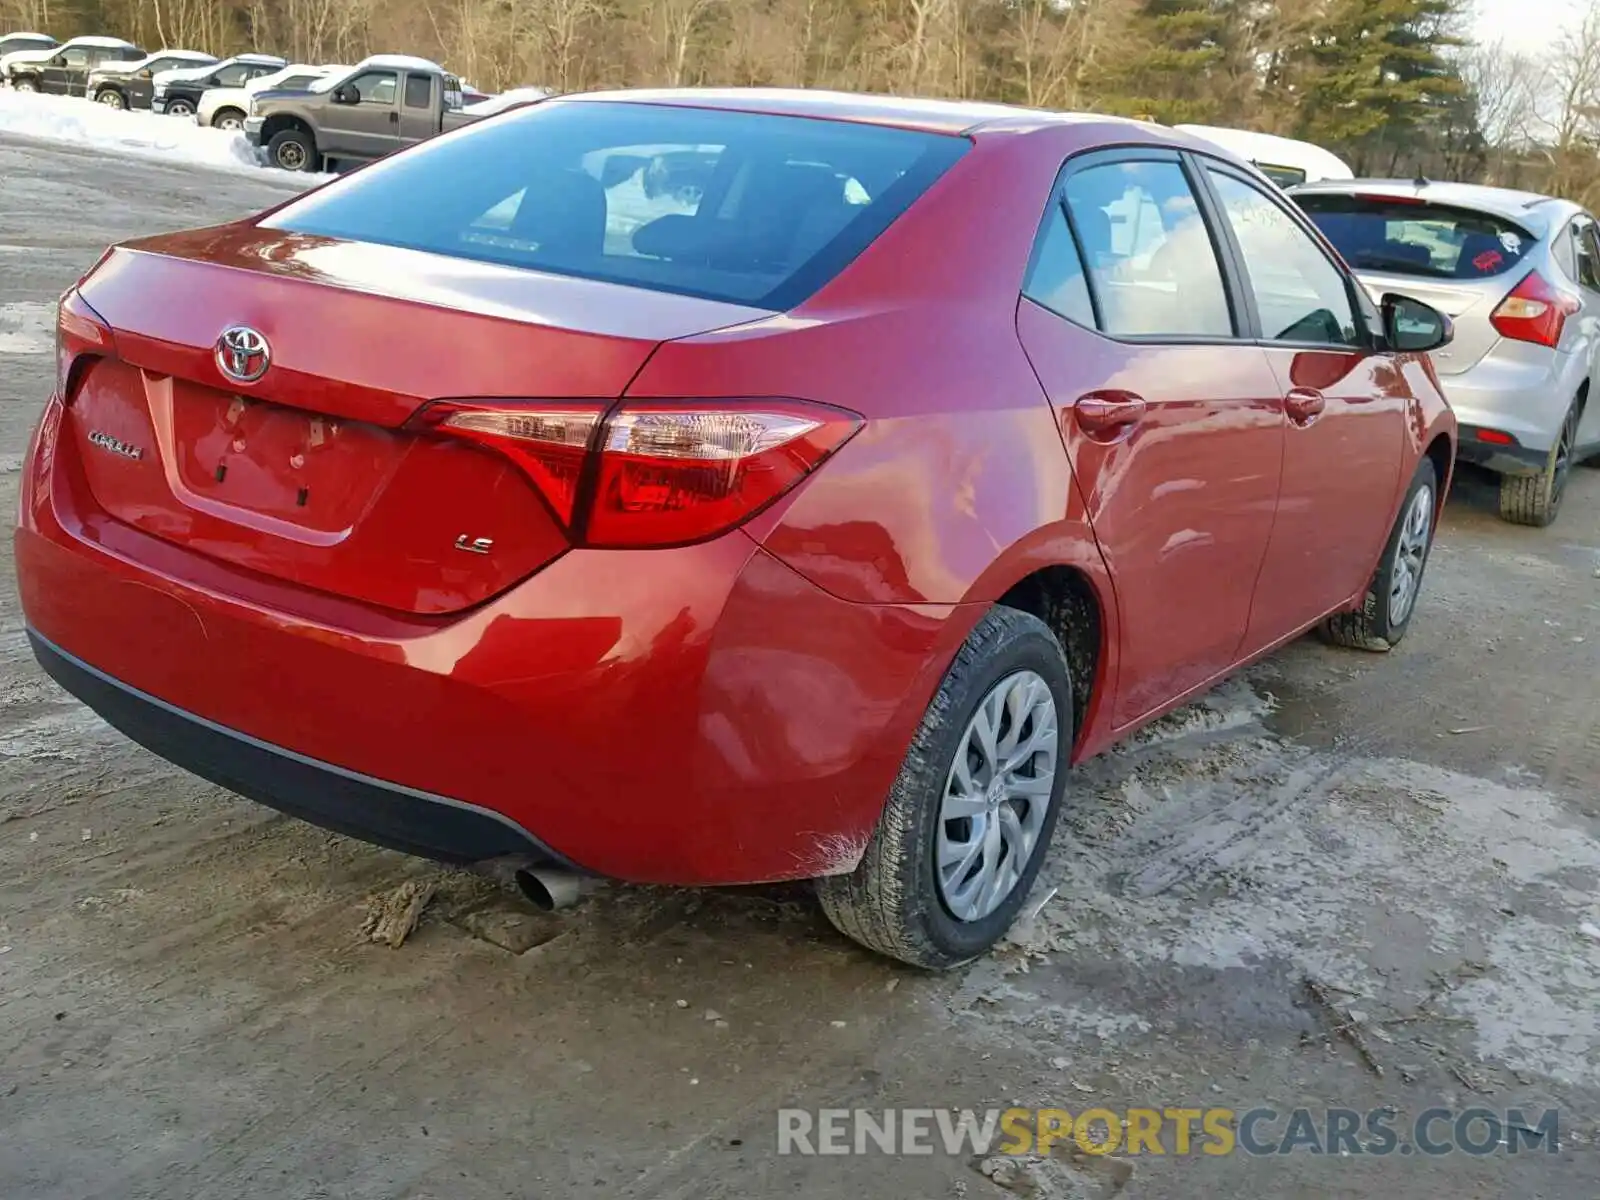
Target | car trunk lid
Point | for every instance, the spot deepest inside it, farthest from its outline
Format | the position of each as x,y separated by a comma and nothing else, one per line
308,474
1468,305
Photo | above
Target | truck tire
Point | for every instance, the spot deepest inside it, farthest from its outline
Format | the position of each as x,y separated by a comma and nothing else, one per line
916,895
25,85
111,98
292,150
180,108
227,118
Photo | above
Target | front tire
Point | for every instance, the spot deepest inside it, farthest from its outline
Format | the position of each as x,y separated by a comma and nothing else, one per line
180,108
111,98
1391,600
969,818
1536,499
292,150
230,119
25,85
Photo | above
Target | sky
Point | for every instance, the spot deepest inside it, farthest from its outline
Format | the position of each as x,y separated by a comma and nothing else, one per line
1524,25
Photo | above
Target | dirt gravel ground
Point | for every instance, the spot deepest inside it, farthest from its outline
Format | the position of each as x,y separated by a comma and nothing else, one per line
188,1007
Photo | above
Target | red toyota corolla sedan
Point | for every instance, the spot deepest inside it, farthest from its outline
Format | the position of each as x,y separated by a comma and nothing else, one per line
722,487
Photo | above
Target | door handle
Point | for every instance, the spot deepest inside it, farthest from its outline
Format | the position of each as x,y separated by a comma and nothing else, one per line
394,117
1102,413
1302,404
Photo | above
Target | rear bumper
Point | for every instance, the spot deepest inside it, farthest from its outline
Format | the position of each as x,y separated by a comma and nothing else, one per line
1519,389
1503,459
318,792
701,715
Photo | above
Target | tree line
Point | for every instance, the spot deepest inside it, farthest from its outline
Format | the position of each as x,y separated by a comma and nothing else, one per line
1396,87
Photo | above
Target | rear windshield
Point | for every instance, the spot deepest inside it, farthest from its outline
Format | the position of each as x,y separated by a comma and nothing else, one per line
1404,237
742,207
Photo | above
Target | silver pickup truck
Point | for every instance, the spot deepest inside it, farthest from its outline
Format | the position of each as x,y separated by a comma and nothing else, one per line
382,104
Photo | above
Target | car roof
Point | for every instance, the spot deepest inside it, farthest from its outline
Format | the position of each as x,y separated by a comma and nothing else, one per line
198,57
264,59
107,42
400,62
1274,150
1531,210
932,116
23,33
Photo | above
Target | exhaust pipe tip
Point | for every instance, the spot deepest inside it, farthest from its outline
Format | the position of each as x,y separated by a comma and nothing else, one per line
548,889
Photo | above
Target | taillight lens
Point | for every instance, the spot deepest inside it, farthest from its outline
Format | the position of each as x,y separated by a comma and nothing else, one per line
80,331
652,473
1535,311
549,442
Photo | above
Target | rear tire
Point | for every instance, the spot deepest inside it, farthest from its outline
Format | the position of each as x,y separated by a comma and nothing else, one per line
1536,499
230,119
1382,620
292,150
902,898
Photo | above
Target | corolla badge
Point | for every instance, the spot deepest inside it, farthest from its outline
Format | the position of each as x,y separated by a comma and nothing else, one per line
115,445
243,354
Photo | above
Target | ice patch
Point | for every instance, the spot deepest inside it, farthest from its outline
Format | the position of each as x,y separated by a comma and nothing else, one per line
27,327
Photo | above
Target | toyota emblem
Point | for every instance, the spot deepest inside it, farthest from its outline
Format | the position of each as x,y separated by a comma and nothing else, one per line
243,354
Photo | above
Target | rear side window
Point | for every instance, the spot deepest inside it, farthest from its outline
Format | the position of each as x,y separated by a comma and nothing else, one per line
1406,237
1150,257
745,207
1055,272
419,91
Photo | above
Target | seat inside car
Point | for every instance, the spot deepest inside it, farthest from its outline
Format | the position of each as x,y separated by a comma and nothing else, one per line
564,214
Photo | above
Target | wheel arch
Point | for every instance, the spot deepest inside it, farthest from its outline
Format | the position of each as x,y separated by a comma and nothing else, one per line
280,122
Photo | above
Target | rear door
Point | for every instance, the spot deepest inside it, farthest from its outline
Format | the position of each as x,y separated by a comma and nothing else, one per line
1170,414
419,109
368,128
1345,405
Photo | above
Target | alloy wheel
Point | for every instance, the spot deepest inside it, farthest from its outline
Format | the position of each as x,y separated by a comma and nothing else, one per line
291,156
1410,553
1562,466
996,796
110,99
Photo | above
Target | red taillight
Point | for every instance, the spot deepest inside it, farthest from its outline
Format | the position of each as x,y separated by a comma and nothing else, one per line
1535,311
79,331
1496,437
652,473
550,442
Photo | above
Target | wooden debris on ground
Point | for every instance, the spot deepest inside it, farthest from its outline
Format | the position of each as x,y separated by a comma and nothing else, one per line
392,917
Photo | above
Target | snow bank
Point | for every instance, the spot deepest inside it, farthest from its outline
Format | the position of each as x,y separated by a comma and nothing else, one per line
140,134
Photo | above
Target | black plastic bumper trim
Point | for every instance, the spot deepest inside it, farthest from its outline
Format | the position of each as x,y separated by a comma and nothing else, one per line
345,801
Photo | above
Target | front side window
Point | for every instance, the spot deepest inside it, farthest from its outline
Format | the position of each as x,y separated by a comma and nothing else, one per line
75,58
1300,295
376,87
1149,254
750,208
231,77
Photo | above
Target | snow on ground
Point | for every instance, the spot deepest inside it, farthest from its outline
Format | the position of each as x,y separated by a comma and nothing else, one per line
140,134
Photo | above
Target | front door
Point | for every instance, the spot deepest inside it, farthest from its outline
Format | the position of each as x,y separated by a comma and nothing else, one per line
1345,405
60,70
1169,413
368,128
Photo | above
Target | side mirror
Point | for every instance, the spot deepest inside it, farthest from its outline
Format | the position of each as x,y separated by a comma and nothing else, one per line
1412,327
346,94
